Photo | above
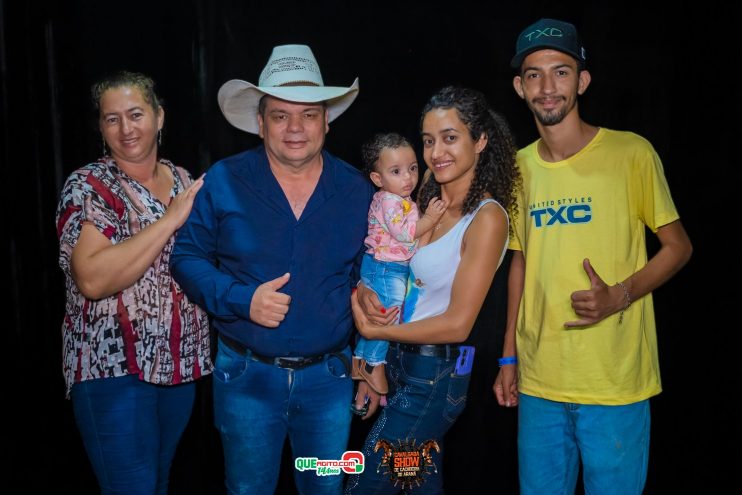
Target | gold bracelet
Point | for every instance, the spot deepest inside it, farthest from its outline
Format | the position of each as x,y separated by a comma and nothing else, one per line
628,301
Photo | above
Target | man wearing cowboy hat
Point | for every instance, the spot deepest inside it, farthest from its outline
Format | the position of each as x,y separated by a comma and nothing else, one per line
271,250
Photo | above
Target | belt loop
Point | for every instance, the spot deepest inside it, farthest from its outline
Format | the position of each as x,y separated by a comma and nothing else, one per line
448,352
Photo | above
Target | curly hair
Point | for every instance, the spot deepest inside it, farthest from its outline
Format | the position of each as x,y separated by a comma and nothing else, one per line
371,150
495,172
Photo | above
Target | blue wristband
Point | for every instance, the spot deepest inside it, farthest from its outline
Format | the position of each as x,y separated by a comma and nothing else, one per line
507,360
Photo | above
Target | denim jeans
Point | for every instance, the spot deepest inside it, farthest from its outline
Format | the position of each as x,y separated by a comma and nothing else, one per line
130,430
425,398
612,441
256,405
389,280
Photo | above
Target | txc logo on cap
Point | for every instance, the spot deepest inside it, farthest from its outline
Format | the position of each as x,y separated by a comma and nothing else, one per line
550,32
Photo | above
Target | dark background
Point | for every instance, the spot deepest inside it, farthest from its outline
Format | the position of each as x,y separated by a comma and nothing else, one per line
667,74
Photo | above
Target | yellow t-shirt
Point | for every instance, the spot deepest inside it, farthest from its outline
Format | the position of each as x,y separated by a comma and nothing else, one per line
593,205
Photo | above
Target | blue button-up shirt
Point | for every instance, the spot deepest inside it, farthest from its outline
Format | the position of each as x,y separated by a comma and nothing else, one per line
242,232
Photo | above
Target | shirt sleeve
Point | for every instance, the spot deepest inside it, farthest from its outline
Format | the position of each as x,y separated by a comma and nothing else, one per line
195,267
185,178
85,198
657,207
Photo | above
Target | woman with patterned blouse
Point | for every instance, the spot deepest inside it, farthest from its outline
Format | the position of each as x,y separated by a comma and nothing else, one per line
133,343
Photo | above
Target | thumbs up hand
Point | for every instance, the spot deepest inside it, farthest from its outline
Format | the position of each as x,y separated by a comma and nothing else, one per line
596,303
268,306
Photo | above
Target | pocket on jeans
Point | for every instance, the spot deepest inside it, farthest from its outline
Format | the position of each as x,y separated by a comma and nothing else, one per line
418,369
229,366
336,367
458,387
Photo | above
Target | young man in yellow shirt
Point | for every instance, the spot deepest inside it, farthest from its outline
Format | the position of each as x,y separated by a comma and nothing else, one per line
580,310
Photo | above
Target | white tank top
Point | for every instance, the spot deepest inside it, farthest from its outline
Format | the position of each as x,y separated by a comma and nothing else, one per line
433,268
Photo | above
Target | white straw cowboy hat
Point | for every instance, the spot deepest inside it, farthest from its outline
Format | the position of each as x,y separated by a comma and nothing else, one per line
291,74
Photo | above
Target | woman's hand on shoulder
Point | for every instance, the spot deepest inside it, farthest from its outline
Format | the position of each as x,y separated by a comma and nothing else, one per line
180,206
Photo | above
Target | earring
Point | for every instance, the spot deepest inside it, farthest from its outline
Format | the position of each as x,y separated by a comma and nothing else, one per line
105,151
159,137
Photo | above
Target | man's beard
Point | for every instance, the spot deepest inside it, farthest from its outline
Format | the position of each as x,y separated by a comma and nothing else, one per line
552,117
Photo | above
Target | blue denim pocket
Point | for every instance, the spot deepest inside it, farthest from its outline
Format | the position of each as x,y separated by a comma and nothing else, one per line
336,367
456,396
229,365
421,369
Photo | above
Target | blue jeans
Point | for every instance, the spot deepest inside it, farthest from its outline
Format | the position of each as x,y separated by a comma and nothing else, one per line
130,430
256,405
425,398
389,280
612,441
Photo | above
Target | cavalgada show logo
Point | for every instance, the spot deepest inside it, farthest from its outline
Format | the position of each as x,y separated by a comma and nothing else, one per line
406,463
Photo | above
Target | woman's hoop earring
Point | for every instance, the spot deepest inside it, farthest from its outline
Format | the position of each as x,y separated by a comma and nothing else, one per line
159,137
105,151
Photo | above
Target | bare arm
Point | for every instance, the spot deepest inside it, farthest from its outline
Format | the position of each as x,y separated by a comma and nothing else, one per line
602,300
674,253
483,244
516,281
433,213
101,269
506,387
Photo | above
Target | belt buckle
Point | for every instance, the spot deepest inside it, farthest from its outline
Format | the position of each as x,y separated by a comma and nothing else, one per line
292,364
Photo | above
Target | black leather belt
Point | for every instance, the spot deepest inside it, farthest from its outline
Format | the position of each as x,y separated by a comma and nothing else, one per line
449,351
289,362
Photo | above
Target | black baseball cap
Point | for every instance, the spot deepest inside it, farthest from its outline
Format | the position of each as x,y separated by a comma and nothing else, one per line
548,33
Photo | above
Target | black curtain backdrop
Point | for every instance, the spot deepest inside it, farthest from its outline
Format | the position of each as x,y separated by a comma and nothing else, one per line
668,74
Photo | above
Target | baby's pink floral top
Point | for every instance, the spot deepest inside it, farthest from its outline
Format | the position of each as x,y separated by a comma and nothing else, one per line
391,227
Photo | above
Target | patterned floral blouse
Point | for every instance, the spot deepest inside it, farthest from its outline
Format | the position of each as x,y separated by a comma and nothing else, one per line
391,227
149,329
